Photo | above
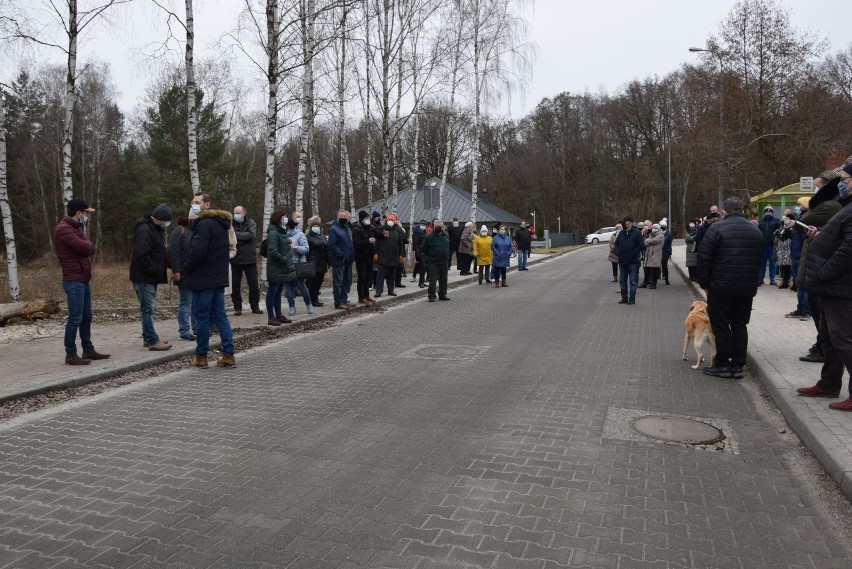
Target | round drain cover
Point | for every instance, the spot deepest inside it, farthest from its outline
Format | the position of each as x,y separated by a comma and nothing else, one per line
679,430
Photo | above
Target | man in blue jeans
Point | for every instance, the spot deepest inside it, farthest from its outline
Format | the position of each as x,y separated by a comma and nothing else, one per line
628,245
74,251
768,226
205,273
342,255
148,269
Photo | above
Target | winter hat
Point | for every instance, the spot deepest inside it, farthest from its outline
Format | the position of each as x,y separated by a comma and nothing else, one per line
483,229
391,217
362,214
78,204
468,224
664,222
376,214
768,208
656,226
804,202
181,220
162,212
626,218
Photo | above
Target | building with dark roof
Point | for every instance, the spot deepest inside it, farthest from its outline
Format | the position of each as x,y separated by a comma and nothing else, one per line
456,205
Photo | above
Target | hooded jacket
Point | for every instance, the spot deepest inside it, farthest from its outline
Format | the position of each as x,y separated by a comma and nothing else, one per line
501,246
466,243
482,250
729,257
822,207
417,236
208,262
829,270
148,262
436,248
279,257
246,232
73,250
319,252
654,250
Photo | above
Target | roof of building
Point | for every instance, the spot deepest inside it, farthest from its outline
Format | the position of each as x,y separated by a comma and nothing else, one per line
456,204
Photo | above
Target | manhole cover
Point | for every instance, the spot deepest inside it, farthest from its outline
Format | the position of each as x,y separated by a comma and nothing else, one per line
679,430
444,352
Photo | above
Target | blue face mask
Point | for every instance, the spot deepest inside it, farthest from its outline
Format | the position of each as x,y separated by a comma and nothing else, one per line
315,230
195,208
238,217
797,210
843,188
84,220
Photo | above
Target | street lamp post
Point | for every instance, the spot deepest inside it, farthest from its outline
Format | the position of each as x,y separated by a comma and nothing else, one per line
559,226
669,148
721,118
532,213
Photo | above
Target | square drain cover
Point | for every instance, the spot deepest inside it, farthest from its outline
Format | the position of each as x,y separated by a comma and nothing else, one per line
444,352
671,429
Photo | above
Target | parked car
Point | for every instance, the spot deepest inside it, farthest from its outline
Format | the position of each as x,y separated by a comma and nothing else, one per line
601,235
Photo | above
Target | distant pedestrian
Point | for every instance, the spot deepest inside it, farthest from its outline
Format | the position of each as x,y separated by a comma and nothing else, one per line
419,270
782,257
667,249
74,252
829,277
455,232
280,268
612,257
483,255
363,235
501,247
691,248
653,256
523,244
389,248
300,248
244,262
320,256
148,270
729,260
628,247
178,254
768,226
465,252
206,275
436,255
342,256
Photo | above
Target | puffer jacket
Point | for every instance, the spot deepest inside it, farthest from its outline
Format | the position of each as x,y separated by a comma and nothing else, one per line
612,257
628,246
829,271
209,249
768,227
482,250
148,262
279,256
729,257
654,250
361,238
319,253
466,243
523,239
297,236
691,253
246,232
436,248
667,244
417,237
823,206
73,250
501,246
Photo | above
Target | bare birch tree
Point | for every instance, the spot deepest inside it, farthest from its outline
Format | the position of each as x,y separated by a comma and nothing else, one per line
6,209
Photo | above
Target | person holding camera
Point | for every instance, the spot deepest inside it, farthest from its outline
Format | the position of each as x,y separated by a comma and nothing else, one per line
436,255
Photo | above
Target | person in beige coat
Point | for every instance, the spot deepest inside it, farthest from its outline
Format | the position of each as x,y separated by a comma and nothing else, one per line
653,255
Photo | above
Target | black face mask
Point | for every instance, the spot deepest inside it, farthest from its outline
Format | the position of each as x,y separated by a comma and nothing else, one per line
343,222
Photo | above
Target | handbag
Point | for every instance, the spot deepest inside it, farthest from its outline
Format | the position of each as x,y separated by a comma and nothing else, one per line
306,270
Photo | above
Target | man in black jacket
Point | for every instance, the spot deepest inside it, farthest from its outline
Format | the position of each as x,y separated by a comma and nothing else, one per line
728,265
148,269
245,261
523,243
768,226
436,255
828,276
627,247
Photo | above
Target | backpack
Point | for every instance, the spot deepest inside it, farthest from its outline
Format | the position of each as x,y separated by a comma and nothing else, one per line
264,249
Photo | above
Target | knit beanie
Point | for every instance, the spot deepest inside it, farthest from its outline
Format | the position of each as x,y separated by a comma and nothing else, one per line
162,212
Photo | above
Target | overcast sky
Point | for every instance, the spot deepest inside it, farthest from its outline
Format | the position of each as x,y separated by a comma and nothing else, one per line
583,45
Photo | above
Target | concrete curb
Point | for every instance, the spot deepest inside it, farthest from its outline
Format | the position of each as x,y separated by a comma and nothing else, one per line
806,430
175,354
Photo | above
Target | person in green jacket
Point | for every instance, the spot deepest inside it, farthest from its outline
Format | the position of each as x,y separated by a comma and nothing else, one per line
280,268
436,256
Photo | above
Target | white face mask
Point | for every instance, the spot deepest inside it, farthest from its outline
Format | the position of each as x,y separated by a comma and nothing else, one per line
366,222
390,223
455,224
423,228
483,233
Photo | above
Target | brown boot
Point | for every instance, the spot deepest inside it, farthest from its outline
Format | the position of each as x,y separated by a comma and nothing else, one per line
496,283
227,360
284,320
199,361
274,322
504,283
160,346
76,360
93,355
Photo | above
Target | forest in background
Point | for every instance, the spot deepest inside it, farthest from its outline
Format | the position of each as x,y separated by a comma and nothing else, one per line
369,93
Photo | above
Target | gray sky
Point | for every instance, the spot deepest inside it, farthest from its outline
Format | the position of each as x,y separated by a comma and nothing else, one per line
583,45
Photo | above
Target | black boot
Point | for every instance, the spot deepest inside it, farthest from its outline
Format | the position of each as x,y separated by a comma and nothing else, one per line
814,355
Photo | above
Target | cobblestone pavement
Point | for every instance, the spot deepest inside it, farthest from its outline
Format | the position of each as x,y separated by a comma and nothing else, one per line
466,433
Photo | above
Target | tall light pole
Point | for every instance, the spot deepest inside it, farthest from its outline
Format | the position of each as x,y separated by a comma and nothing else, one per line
532,213
559,226
721,119
669,148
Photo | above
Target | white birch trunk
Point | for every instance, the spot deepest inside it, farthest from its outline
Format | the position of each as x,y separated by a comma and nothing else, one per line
397,127
451,118
387,18
341,111
368,117
6,212
191,114
307,48
477,83
314,176
70,102
414,171
271,119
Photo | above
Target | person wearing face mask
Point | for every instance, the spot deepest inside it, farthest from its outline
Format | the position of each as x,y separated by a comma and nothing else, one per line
389,248
653,256
148,269
523,243
280,268
300,247
319,254
768,226
436,255
364,242
343,253
483,255
419,270
822,206
781,253
244,262
796,241
454,231
691,249
74,252
611,257
501,248
466,249
829,277
179,241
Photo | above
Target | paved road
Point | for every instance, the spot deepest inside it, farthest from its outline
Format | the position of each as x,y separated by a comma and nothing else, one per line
480,432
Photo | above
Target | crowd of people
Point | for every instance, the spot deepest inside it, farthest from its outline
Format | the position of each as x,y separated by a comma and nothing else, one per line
212,249
808,250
